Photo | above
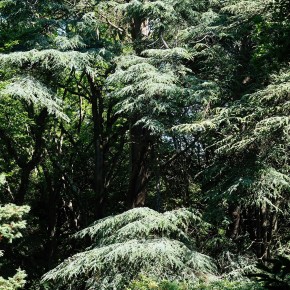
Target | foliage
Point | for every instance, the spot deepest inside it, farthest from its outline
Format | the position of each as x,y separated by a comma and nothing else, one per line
15,282
11,221
11,224
110,105
229,285
140,241
144,283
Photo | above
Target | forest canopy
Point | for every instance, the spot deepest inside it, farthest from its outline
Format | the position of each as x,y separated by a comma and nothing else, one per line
144,144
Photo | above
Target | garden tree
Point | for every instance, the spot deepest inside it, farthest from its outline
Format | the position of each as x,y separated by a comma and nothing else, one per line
62,61
258,182
249,171
11,224
109,105
64,76
35,82
30,91
71,39
149,91
73,67
139,241
155,94
265,131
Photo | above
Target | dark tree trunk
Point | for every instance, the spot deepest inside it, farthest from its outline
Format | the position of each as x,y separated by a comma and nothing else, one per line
140,173
27,167
264,231
53,190
98,123
235,212
24,180
140,137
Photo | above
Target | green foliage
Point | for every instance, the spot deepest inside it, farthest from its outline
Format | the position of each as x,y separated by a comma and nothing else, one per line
158,103
11,221
11,218
34,92
13,283
229,285
145,283
11,224
150,90
140,241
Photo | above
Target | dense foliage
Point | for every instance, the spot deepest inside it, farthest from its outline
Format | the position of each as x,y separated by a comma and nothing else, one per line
147,137
11,224
139,241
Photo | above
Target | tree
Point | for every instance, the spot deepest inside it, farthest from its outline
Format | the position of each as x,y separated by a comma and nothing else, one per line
111,105
246,131
139,241
11,224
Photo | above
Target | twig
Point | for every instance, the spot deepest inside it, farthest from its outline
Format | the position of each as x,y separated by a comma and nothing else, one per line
164,42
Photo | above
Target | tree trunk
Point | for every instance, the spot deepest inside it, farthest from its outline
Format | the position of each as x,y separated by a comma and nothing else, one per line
264,231
140,137
98,122
27,167
140,149
53,190
24,180
236,218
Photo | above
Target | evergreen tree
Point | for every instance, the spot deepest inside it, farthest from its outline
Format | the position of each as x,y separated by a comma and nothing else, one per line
247,127
139,241
11,224
110,105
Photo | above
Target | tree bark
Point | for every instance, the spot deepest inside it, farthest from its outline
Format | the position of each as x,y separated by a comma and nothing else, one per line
98,123
140,137
140,173
27,167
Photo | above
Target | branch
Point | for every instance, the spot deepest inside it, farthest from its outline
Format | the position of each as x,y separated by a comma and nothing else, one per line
164,42
175,156
112,24
73,92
